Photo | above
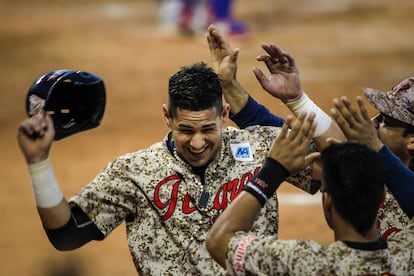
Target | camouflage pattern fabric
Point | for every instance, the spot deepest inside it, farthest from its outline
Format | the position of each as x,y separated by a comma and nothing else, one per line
269,256
156,195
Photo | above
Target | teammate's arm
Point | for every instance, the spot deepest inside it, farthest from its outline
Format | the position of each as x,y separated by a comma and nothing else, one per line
357,126
284,83
245,111
287,156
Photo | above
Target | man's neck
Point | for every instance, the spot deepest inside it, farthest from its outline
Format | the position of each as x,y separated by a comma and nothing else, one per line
344,231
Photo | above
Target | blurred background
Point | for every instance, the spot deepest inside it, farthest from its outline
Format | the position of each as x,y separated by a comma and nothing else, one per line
340,47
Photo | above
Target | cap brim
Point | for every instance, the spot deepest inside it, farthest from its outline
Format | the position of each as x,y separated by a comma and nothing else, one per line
378,99
386,103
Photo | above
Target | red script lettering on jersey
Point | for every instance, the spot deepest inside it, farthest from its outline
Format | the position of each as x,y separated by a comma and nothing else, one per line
227,193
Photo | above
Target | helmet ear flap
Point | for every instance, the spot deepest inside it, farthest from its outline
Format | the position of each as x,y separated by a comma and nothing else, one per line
74,99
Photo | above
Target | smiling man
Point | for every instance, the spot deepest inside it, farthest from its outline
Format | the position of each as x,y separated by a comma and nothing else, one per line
168,194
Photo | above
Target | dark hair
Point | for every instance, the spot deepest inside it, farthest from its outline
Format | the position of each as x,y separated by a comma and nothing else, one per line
195,87
354,177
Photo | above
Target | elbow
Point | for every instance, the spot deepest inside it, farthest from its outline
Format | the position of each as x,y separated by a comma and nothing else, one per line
62,248
210,243
216,247
63,241
64,244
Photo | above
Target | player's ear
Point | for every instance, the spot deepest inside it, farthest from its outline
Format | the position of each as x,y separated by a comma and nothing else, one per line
225,115
384,196
327,208
167,117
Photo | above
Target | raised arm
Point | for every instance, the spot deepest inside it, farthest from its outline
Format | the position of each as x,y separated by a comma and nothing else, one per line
35,136
358,127
67,227
287,156
245,111
284,83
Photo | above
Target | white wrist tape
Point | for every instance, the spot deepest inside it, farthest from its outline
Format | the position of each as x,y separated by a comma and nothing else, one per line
305,104
45,188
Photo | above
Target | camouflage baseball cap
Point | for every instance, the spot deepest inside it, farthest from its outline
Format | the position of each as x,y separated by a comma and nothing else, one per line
397,103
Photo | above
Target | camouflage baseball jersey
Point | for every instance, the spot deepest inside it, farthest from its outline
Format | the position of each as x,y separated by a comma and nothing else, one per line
391,218
156,194
269,256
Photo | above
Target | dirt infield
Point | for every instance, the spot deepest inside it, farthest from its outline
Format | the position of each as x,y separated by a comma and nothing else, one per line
339,48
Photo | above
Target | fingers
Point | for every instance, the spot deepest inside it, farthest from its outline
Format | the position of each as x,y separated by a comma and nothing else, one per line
297,125
278,56
34,126
234,55
261,78
285,127
302,129
268,61
215,39
343,107
347,116
363,109
291,146
274,51
344,114
353,114
38,126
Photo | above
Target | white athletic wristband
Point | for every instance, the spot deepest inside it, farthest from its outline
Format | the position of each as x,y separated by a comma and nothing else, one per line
45,188
305,104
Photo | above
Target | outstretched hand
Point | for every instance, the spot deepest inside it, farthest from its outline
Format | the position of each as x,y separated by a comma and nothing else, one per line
224,59
284,81
290,146
357,127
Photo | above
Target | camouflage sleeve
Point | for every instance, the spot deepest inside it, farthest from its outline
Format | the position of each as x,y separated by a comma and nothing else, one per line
109,199
266,255
391,219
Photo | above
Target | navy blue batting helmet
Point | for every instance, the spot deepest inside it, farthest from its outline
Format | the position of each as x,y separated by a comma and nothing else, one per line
74,99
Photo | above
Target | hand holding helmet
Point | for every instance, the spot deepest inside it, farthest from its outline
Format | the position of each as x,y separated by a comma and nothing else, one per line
74,99
60,103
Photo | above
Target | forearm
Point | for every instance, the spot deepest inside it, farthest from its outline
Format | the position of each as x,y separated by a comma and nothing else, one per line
56,216
243,211
326,127
254,113
399,179
54,210
235,95
334,131
239,216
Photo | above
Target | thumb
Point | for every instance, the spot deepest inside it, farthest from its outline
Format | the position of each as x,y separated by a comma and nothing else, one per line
332,141
310,158
260,76
234,55
50,130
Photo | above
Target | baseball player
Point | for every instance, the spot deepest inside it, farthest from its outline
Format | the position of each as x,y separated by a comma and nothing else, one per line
399,178
352,191
396,130
395,125
168,194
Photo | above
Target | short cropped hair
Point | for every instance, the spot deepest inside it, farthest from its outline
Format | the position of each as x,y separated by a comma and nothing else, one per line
353,176
195,88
